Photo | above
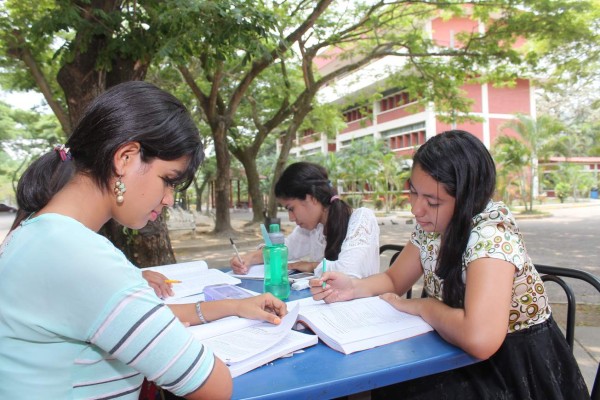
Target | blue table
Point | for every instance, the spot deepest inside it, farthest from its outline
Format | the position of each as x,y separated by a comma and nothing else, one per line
322,373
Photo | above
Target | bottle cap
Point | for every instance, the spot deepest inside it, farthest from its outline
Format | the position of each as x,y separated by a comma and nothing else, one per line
276,235
273,228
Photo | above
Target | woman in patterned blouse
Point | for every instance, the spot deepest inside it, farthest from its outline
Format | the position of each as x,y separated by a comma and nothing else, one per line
484,294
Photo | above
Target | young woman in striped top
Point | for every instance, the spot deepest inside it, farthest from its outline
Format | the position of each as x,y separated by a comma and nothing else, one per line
77,319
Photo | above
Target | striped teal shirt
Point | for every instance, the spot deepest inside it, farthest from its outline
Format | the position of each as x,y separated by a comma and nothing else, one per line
77,320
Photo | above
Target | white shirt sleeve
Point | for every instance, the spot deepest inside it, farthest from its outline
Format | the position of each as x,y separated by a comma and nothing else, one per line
359,256
305,245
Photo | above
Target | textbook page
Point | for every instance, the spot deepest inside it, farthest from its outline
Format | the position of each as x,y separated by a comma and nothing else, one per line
359,324
256,271
247,344
240,344
293,342
194,276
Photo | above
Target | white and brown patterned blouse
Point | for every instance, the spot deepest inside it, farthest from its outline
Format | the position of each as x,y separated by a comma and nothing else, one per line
495,234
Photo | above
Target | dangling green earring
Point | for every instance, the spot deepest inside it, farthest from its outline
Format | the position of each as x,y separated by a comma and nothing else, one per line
119,190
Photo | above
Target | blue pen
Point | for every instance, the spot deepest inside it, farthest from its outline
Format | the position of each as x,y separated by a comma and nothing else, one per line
324,269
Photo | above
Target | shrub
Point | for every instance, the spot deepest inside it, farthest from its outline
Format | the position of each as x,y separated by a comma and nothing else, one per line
355,200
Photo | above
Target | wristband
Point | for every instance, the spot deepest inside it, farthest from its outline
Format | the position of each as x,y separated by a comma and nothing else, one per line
199,313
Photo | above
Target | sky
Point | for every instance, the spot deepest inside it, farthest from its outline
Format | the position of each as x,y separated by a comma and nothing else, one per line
23,100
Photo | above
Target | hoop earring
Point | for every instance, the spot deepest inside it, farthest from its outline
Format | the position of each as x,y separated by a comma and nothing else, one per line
119,190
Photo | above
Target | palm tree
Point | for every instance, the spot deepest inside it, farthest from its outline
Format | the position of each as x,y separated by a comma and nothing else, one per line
536,136
512,158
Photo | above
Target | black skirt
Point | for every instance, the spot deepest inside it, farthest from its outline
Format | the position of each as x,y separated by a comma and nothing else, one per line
535,363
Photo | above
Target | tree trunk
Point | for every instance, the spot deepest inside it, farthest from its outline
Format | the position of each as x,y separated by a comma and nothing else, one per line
146,247
258,206
199,191
223,219
81,83
286,146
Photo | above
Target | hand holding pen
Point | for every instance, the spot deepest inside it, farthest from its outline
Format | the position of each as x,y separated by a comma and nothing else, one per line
238,265
237,253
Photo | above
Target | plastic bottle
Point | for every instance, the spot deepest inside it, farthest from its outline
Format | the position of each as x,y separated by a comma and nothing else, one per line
275,259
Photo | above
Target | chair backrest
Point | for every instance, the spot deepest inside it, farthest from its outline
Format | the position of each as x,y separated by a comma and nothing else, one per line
556,274
397,249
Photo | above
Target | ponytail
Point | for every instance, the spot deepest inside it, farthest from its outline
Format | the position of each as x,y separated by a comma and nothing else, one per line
336,227
303,178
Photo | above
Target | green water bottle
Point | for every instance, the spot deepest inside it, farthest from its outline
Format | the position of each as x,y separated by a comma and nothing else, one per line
275,258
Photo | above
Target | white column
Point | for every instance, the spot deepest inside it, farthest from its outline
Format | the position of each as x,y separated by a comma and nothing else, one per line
485,111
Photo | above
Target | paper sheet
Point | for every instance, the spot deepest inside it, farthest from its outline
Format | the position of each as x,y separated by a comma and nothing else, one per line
241,344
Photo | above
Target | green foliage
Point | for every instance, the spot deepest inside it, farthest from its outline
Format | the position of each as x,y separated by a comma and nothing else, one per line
354,201
519,156
378,201
562,190
251,62
572,180
23,136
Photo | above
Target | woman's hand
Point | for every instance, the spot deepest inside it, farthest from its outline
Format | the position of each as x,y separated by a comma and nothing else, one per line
409,306
263,307
303,266
156,280
241,267
332,286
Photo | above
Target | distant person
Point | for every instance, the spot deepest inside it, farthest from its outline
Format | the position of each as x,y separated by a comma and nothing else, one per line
327,227
484,293
77,319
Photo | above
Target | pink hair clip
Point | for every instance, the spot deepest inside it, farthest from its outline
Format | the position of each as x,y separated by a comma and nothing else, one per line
63,152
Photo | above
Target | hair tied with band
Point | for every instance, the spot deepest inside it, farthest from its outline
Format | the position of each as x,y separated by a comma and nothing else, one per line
334,198
63,152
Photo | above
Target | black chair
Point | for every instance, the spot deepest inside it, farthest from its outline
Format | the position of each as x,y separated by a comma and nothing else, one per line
556,274
397,248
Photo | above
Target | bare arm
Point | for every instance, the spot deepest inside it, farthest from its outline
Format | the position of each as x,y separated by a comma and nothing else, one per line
263,307
479,328
405,271
219,384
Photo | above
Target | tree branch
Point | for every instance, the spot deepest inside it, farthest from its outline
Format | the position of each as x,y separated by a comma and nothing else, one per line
20,51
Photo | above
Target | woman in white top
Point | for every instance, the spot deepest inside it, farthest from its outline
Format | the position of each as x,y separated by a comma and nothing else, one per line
327,227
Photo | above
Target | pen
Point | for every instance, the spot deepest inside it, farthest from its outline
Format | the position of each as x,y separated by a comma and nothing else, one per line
172,281
324,269
237,253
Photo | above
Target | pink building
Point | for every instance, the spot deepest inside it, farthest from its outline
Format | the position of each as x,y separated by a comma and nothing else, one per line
395,118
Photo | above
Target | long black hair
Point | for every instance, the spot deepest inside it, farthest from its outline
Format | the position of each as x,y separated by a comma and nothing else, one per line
304,178
464,167
132,111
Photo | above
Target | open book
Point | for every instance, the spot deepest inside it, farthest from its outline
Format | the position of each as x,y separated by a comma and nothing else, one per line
359,324
194,277
245,344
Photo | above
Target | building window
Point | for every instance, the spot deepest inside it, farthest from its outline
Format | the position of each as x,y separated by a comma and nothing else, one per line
394,101
406,136
354,114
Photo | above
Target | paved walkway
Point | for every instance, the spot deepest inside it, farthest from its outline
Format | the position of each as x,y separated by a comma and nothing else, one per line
566,235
